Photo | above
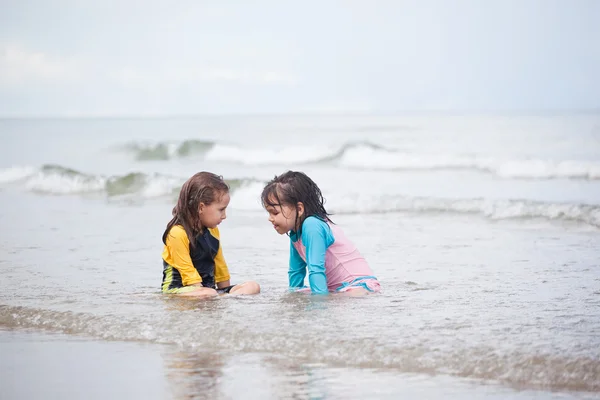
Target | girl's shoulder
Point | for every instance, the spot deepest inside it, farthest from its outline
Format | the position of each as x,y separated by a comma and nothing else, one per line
178,234
314,222
177,230
315,225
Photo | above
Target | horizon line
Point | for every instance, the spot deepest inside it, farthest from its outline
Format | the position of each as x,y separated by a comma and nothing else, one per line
461,112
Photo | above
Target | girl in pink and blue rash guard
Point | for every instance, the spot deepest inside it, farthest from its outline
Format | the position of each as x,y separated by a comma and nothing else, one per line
295,206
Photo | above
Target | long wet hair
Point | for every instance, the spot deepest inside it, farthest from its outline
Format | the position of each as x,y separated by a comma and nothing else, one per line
203,187
293,187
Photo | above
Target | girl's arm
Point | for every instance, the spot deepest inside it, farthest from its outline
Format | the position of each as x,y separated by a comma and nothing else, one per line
316,237
179,249
297,270
222,277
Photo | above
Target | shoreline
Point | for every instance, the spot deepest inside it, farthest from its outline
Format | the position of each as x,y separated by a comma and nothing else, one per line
69,366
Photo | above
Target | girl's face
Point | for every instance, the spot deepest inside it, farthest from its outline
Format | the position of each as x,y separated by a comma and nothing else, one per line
283,217
213,214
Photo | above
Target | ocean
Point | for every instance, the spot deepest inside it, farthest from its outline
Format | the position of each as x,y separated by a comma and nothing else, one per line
484,232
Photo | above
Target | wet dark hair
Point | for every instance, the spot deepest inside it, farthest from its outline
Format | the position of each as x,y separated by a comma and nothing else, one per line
292,187
203,187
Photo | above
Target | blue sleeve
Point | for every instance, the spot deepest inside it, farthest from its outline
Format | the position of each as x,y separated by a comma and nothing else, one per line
316,237
297,270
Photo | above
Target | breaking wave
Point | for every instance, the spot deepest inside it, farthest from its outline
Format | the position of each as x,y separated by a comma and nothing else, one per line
365,155
214,151
59,180
371,157
489,208
168,150
494,209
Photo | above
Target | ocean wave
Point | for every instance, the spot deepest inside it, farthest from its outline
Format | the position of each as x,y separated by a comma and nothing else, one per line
59,180
168,150
15,174
214,151
370,157
366,155
519,367
494,209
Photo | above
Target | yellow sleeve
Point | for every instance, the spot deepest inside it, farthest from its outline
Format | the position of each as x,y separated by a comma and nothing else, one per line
178,253
221,270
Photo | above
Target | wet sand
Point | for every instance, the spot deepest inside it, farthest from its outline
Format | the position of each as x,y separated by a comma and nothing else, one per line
55,366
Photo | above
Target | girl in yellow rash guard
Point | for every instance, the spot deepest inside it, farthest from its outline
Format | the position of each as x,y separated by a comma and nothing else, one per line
193,263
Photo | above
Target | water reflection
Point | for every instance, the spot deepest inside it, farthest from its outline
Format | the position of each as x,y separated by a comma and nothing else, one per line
305,301
194,375
208,375
205,375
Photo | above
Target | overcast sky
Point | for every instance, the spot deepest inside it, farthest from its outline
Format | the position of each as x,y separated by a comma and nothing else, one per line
84,57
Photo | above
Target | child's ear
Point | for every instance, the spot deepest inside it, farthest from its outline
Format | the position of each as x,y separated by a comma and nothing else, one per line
201,208
300,208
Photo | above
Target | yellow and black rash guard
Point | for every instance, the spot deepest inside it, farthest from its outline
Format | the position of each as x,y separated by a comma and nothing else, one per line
186,265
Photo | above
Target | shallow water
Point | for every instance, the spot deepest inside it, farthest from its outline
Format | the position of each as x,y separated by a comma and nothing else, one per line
491,281
163,372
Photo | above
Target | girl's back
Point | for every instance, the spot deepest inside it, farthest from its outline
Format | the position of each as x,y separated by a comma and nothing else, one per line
343,262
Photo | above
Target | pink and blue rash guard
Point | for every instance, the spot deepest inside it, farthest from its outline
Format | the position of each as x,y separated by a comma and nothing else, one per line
334,264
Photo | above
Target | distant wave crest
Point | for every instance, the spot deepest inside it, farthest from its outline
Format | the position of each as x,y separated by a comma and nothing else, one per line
168,150
371,157
366,155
